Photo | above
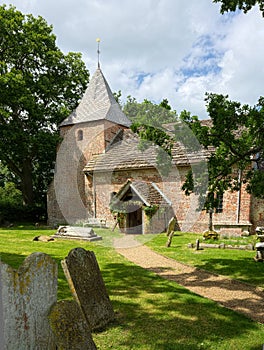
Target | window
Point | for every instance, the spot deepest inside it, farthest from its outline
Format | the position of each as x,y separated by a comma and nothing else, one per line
80,135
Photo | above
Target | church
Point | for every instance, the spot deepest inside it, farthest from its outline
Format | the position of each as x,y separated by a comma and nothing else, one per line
101,174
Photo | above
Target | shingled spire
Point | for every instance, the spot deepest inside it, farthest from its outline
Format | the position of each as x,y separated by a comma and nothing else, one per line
97,103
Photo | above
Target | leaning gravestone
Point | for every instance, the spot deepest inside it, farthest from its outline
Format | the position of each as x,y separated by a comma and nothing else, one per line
87,285
70,327
27,296
170,231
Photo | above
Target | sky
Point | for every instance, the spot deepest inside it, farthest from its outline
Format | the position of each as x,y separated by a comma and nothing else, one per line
156,49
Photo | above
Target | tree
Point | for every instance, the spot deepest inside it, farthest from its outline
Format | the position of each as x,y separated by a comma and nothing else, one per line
148,120
244,5
39,86
149,113
235,136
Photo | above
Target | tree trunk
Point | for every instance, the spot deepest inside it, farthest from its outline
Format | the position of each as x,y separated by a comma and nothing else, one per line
210,225
27,183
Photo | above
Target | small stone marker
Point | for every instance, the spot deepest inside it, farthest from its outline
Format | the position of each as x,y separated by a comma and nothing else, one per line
27,296
87,285
70,327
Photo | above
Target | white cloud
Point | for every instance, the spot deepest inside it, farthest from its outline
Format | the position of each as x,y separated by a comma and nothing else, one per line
159,49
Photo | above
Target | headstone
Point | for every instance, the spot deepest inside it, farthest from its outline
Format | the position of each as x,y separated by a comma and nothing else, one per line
2,341
27,296
77,232
87,285
170,231
171,226
70,327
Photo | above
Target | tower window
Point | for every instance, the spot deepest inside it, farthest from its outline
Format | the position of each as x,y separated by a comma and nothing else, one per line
80,135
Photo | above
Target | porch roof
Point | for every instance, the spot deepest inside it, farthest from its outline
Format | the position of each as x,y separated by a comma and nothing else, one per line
148,192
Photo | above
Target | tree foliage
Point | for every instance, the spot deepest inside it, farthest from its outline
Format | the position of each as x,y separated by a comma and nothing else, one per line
244,5
149,113
235,137
39,86
148,120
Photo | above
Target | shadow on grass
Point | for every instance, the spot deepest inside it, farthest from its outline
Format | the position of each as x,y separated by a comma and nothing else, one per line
244,268
163,315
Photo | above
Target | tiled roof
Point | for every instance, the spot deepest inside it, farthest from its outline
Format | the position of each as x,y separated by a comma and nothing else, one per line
148,193
97,103
125,154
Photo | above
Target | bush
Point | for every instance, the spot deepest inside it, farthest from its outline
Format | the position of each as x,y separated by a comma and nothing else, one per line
13,209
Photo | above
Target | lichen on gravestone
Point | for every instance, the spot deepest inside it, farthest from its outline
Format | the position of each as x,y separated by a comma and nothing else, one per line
86,283
70,327
27,296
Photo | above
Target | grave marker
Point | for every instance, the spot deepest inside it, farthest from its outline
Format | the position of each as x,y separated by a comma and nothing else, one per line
70,327
27,296
87,286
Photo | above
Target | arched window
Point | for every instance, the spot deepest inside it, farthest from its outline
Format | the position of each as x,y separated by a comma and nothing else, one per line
79,135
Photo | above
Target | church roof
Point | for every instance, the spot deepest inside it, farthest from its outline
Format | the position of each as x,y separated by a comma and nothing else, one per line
97,103
148,192
125,154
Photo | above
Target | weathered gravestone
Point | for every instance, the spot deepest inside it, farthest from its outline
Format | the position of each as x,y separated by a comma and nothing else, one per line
87,285
27,296
170,231
2,343
70,327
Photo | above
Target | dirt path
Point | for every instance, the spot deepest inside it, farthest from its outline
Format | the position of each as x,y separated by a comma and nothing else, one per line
232,294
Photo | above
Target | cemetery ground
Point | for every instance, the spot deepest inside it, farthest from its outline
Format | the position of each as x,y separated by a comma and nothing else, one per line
153,313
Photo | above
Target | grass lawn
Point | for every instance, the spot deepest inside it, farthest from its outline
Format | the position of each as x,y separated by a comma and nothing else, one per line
151,313
237,264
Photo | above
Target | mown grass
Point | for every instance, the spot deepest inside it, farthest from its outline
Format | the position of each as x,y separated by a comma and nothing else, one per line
151,313
236,264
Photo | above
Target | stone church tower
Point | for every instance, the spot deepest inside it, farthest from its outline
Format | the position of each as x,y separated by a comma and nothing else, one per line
86,132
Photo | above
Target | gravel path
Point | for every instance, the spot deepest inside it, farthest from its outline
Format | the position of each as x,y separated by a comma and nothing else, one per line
232,294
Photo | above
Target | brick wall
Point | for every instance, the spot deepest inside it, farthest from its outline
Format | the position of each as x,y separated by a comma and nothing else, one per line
186,208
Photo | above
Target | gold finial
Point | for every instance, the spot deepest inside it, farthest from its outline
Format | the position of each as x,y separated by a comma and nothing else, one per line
98,40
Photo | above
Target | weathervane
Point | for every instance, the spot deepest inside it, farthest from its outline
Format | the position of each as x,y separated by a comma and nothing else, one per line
98,51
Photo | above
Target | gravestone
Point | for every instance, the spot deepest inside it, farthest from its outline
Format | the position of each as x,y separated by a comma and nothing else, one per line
87,285
70,327
77,232
170,231
27,296
2,342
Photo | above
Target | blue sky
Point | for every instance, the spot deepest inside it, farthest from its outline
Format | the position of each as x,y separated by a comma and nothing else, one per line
159,49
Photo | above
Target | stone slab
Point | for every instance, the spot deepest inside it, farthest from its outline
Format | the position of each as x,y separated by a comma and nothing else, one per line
70,327
87,286
77,232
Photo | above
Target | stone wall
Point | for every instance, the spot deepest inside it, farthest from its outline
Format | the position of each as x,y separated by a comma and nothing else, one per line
70,196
